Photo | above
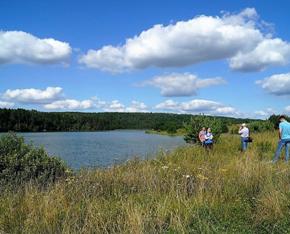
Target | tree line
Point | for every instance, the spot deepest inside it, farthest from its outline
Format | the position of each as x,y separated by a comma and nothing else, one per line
21,120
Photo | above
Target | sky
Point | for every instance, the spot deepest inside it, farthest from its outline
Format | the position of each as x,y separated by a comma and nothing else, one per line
226,58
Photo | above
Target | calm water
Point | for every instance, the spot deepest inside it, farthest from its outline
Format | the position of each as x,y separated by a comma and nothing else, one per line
101,149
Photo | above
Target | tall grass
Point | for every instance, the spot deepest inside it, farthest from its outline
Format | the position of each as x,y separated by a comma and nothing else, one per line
186,191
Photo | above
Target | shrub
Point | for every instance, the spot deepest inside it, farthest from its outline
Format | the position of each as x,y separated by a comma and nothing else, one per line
197,122
261,126
255,126
20,162
274,119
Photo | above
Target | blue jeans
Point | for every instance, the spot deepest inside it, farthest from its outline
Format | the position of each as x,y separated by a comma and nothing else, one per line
244,142
281,143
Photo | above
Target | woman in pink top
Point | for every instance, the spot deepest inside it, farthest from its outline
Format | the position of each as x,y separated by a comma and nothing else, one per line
201,136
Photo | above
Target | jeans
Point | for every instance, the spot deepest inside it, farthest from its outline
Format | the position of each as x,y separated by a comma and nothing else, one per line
244,142
281,143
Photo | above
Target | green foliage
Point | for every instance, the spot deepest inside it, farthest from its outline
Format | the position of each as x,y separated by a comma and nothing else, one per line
35,121
274,119
254,126
20,163
198,122
261,126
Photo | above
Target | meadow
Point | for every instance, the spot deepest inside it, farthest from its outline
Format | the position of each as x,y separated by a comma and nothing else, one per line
186,191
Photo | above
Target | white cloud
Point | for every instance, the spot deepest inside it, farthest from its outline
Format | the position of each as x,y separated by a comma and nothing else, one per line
70,104
287,109
6,104
265,113
137,107
33,95
96,103
197,106
22,47
185,84
237,37
116,106
278,84
168,105
269,52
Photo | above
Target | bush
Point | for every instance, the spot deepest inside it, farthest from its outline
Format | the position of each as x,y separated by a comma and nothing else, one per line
274,119
255,126
197,122
20,163
261,126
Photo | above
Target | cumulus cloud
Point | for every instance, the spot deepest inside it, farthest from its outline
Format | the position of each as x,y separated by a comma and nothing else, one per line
168,105
269,52
117,106
33,95
137,107
6,104
265,113
70,104
278,84
22,47
185,84
96,103
197,106
287,109
237,37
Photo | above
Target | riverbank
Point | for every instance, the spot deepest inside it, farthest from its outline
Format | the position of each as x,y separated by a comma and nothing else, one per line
179,132
185,191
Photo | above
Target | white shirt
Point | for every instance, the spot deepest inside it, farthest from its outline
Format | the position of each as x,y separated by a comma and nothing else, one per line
244,132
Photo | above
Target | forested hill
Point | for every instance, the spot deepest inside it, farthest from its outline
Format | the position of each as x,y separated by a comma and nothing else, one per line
31,120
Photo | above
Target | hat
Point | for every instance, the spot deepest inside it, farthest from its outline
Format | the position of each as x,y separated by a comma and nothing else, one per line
244,125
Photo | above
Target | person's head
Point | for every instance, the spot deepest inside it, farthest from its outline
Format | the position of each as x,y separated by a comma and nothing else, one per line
208,130
203,129
282,118
244,125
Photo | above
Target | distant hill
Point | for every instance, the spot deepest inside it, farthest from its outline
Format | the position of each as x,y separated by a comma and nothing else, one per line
36,121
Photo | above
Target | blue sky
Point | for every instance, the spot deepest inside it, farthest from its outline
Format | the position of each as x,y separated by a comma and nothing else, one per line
215,57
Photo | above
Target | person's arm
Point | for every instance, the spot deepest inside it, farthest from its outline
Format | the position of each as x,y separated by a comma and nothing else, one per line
240,130
280,133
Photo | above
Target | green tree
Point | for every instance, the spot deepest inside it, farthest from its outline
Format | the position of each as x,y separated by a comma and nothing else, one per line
20,163
197,122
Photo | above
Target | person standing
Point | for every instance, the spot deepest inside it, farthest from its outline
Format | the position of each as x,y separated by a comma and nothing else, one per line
201,136
208,139
284,139
245,133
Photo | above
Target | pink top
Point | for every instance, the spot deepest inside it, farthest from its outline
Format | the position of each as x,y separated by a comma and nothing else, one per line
201,135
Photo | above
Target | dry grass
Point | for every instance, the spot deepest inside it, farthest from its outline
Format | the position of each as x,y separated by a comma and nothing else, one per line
186,191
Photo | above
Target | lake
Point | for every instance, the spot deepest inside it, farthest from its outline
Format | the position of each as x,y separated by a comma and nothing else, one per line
102,149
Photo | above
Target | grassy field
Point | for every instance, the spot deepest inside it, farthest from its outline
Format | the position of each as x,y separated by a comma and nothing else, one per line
186,191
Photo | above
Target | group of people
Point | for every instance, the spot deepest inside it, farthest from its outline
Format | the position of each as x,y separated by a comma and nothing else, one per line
206,138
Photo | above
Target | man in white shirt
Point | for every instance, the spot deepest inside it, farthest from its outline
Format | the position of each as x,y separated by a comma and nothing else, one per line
244,132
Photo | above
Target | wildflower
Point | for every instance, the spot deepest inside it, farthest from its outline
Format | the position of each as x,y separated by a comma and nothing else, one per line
186,176
165,167
176,169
